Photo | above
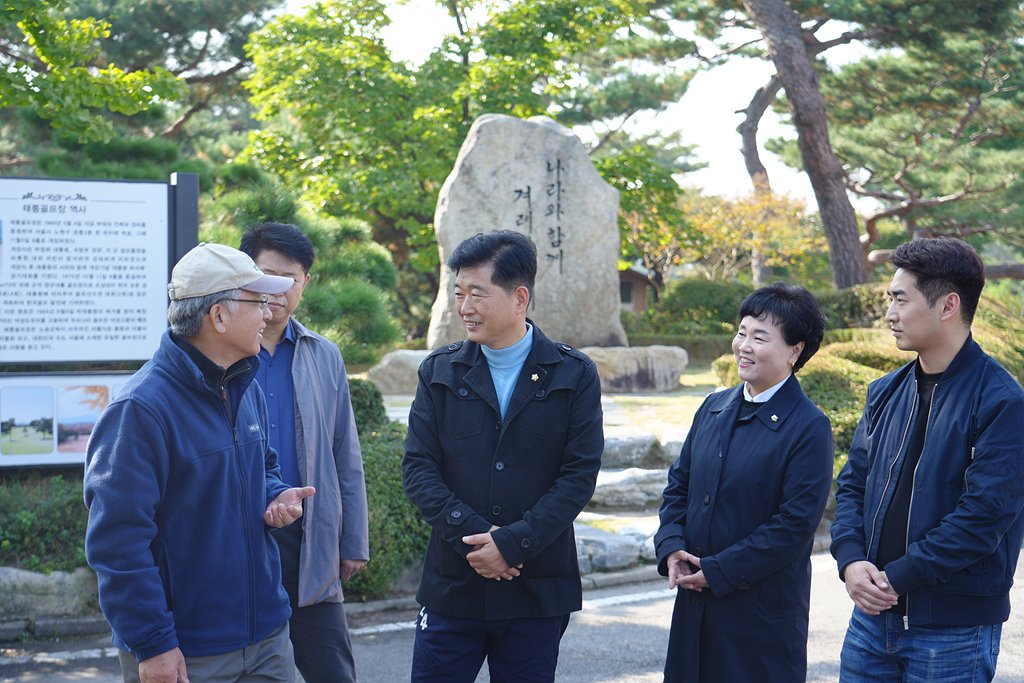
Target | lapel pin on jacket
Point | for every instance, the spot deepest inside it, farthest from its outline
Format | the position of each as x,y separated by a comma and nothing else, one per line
775,418
534,377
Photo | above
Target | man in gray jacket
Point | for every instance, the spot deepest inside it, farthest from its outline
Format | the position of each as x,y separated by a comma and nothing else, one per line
314,432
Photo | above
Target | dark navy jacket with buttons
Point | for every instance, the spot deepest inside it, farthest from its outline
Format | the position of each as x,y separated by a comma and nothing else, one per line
965,525
746,497
531,474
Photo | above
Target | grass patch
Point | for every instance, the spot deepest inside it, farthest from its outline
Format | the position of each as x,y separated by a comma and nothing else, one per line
675,409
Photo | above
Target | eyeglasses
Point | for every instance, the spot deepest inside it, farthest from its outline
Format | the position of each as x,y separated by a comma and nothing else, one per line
261,301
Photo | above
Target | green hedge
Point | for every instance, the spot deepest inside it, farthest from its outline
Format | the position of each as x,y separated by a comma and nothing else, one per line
367,405
398,534
701,349
42,521
884,357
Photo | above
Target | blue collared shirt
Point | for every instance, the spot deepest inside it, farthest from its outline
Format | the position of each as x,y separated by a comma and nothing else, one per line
275,378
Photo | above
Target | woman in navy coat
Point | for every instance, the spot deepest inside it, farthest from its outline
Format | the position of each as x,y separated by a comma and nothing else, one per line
742,504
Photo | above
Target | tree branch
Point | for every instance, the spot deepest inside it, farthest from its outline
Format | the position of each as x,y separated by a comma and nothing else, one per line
176,127
214,78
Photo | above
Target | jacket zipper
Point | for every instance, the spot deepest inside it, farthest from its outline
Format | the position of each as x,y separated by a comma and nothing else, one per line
244,502
910,508
874,521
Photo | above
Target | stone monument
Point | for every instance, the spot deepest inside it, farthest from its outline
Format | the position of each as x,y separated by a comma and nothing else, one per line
534,176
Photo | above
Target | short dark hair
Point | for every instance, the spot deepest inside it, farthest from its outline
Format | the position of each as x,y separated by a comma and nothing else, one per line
794,310
513,254
283,237
941,266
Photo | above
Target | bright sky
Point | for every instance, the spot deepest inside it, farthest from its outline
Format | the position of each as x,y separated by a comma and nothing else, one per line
706,114
25,404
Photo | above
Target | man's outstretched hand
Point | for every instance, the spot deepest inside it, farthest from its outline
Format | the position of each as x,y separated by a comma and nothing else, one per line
287,507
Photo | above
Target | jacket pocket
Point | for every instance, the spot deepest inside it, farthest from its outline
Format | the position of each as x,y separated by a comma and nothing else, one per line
546,415
463,413
165,575
769,596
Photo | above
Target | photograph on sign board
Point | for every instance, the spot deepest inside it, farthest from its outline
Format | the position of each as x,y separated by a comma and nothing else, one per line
78,408
26,416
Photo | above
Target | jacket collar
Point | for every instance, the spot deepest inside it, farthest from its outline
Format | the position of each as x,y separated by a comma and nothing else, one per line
544,351
772,413
180,363
968,354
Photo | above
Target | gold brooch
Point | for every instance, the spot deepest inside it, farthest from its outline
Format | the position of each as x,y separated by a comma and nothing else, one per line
534,377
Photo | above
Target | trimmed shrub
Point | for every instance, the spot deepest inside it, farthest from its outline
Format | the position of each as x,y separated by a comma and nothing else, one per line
693,306
701,349
884,357
398,534
860,306
367,404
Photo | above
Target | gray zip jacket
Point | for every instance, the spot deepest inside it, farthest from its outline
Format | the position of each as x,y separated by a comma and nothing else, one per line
335,525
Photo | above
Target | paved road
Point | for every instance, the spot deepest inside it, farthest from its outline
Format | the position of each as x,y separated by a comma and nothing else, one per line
619,637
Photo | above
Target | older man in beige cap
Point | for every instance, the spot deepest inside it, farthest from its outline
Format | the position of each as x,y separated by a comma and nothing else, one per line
183,488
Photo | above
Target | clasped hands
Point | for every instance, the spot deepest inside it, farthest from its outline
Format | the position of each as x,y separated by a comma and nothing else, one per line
680,572
486,559
287,507
869,588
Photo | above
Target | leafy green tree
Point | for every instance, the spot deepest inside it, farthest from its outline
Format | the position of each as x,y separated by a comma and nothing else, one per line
361,134
46,64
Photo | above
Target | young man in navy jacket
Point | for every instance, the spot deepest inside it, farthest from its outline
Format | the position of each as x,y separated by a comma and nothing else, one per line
183,488
928,526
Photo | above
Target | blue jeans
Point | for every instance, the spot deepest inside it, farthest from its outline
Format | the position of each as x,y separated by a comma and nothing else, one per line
877,648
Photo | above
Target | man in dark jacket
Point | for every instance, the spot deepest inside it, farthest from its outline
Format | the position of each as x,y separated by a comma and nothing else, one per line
313,430
928,527
503,450
182,489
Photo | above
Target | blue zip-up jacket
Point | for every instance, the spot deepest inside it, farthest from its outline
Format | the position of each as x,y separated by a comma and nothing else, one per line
964,528
178,476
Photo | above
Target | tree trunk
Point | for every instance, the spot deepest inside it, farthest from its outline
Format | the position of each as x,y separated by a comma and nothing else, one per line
759,103
781,29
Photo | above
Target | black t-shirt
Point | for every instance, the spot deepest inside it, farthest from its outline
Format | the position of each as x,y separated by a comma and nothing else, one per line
893,542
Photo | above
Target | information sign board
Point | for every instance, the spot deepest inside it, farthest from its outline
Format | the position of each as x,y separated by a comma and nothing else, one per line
83,269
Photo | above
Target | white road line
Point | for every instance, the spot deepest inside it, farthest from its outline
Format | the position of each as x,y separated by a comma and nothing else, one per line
587,604
57,657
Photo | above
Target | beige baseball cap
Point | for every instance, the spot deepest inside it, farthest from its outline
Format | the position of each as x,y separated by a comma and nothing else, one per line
211,268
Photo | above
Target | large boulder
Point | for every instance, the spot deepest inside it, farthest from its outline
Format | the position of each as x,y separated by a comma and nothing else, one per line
534,176
396,372
639,369
629,489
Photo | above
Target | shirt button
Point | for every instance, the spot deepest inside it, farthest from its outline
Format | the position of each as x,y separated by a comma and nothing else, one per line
273,426
452,347
499,466
271,394
456,514
695,600
495,510
540,394
744,586
525,543
497,425
463,392
707,499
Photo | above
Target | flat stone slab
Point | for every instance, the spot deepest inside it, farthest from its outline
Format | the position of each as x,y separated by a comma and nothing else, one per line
631,447
608,552
629,489
80,626
12,630
638,369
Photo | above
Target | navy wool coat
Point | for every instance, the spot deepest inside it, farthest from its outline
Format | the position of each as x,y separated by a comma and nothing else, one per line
746,497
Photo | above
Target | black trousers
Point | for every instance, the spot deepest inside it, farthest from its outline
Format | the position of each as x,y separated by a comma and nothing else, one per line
319,633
